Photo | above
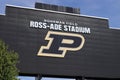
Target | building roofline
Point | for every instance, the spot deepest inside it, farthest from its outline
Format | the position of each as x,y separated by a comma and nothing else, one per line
56,12
2,14
116,28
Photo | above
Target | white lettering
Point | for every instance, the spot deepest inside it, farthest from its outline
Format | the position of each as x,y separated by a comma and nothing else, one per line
60,27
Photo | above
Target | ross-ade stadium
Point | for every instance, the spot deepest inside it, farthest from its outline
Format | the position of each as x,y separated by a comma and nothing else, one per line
57,41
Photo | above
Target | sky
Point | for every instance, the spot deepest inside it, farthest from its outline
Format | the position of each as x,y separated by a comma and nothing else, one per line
102,8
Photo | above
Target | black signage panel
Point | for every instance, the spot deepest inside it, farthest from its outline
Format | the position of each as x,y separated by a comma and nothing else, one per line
61,44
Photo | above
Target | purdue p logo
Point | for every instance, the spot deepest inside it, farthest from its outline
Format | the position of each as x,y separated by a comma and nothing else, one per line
61,42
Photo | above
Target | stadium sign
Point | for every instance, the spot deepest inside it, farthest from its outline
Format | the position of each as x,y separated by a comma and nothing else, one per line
60,44
67,41
60,26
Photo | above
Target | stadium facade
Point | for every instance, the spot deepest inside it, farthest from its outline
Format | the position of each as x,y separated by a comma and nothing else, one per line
57,41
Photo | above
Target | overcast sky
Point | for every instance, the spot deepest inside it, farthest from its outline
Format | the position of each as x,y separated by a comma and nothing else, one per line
102,8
